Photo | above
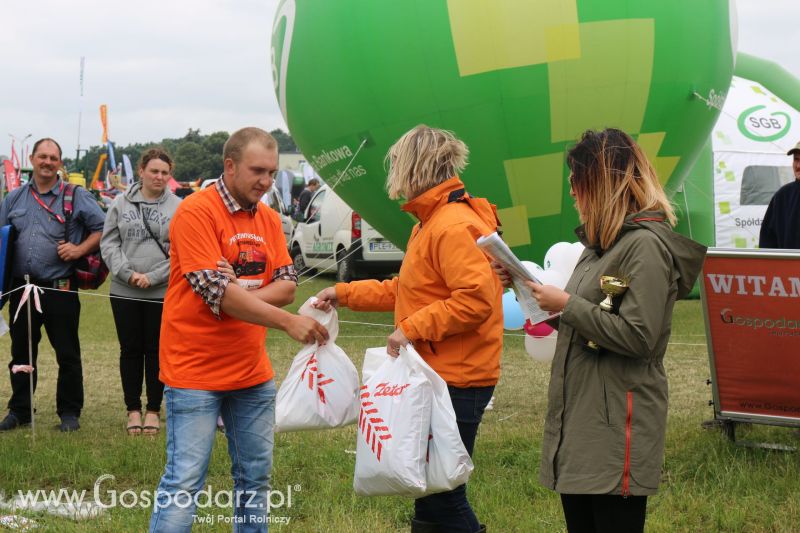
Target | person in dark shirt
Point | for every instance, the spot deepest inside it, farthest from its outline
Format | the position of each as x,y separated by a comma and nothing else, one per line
781,225
305,198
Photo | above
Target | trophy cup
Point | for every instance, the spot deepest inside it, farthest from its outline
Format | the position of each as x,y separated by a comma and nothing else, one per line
611,286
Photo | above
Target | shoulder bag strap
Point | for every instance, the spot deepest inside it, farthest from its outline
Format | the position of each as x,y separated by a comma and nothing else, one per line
147,227
69,195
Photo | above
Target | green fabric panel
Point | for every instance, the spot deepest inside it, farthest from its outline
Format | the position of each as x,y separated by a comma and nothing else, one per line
771,75
608,85
535,183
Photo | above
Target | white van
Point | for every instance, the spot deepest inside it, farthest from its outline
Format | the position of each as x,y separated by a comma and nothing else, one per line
273,199
332,232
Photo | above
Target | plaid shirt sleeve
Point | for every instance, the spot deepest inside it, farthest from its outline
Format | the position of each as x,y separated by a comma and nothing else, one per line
287,273
210,285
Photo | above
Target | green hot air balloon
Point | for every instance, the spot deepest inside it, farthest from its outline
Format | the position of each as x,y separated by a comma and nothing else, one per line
517,80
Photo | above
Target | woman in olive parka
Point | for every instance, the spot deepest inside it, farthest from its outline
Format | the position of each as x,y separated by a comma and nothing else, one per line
603,444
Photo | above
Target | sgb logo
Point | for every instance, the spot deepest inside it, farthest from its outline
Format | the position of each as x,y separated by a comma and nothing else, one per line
758,124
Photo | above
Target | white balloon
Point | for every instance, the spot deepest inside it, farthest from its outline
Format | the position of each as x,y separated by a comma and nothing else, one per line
575,251
541,349
553,277
558,257
533,268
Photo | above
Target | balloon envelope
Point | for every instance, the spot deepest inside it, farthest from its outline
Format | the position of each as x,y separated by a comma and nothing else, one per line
517,81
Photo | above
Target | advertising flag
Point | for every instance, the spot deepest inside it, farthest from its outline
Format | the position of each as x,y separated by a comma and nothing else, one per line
14,158
104,121
12,178
126,161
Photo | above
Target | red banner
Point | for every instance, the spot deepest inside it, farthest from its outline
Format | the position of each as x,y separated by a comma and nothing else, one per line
752,303
12,178
14,159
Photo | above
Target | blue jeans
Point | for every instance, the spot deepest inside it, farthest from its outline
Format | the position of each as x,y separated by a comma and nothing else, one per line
249,416
450,509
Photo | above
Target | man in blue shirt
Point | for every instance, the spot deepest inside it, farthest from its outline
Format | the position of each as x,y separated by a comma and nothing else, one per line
46,248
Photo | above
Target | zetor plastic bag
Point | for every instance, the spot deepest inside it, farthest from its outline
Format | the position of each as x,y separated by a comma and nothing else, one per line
320,390
448,464
392,439
373,359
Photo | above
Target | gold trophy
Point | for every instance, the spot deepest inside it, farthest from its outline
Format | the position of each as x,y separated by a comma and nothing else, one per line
611,286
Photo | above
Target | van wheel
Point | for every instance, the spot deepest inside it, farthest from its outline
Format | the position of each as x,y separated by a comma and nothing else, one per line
297,261
345,268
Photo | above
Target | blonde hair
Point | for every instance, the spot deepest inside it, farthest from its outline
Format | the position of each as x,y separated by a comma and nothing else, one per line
423,158
236,143
612,179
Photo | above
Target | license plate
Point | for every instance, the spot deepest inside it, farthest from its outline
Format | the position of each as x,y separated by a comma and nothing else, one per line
382,246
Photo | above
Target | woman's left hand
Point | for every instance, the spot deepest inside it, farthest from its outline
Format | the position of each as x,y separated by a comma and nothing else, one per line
550,298
395,341
225,268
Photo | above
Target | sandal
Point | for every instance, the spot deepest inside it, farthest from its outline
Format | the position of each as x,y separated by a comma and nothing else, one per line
152,423
134,426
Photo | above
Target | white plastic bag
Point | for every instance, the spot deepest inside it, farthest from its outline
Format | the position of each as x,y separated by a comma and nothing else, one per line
373,359
320,390
392,438
449,464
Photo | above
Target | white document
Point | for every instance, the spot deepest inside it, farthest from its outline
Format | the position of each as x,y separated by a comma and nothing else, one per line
498,250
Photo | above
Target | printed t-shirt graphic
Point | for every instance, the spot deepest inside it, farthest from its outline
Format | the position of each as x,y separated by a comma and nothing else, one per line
199,351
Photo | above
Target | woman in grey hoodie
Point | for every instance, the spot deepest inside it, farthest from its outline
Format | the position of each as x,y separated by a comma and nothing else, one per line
135,246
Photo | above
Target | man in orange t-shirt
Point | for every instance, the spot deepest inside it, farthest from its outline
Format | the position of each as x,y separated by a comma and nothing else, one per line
230,273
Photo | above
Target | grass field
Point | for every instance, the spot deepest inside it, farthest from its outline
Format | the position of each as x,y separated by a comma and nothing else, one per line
708,484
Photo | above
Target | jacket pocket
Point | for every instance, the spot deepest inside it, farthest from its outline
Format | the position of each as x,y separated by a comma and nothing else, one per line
16,215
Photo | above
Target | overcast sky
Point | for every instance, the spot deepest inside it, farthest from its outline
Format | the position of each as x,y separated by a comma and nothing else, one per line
164,66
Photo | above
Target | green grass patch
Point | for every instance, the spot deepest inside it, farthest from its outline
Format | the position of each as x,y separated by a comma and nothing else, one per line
708,484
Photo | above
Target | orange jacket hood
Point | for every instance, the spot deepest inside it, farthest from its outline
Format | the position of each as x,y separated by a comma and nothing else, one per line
447,299
426,204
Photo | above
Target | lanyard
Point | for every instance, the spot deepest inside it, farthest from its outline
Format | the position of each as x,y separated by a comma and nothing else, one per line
48,207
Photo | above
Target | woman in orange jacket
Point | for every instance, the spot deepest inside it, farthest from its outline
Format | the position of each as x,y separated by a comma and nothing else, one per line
446,299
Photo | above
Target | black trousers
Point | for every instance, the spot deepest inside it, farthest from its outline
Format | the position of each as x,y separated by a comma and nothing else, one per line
138,329
61,311
451,510
601,513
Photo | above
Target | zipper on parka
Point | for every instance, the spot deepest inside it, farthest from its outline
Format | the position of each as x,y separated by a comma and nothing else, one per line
626,469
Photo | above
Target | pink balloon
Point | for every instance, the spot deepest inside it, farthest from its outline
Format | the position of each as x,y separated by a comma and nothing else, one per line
542,329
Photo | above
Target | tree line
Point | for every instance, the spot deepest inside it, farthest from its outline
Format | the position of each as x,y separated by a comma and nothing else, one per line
196,156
